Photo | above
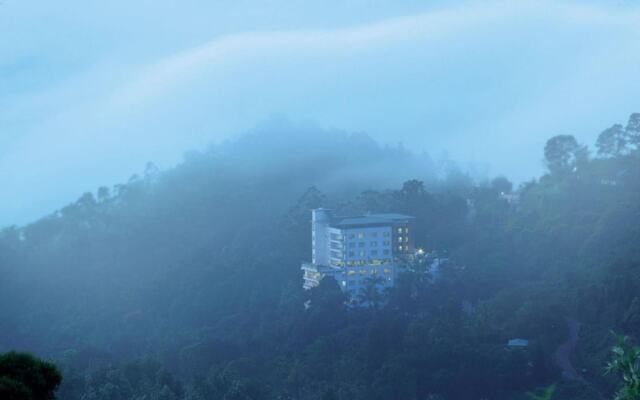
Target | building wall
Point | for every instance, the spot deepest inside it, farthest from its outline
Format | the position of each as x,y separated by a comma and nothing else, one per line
353,279
320,236
373,245
403,244
354,254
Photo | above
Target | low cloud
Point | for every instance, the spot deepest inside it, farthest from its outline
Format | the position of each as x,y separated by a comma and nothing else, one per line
485,82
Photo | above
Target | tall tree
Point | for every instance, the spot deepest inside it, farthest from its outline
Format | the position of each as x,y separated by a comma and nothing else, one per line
563,153
633,130
612,142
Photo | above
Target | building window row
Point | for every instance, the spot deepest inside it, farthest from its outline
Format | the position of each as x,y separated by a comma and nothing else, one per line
363,272
361,235
355,263
371,244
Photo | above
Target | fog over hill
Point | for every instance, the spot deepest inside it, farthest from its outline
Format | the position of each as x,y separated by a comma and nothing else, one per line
484,82
319,200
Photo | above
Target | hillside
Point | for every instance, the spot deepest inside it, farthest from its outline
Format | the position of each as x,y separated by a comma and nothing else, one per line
185,283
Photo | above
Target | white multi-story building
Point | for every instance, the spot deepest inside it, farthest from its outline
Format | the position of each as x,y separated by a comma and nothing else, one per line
354,249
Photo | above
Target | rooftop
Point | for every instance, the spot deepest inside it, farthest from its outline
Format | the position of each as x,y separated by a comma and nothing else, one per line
370,219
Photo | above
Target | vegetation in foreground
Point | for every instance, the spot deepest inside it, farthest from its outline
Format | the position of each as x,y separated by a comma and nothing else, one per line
24,377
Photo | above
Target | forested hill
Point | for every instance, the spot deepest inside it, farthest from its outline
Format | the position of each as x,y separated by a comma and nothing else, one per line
185,284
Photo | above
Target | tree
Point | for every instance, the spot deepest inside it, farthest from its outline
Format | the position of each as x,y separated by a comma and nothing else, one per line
502,184
327,295
413,188
632,130
626,362
103,194
24,377
370,295
327,308
612,142
562,153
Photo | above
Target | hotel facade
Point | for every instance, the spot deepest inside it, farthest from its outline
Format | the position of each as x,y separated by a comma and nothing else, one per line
355,250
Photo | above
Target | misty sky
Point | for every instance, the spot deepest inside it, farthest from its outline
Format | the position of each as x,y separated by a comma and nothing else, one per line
92,90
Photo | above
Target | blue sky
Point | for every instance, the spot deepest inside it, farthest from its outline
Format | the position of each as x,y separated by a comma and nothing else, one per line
92,90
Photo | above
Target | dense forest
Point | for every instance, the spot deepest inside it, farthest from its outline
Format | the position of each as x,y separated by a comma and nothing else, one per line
186,283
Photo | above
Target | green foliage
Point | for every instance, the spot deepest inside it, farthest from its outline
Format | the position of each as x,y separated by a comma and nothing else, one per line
625,362
546,394
24,377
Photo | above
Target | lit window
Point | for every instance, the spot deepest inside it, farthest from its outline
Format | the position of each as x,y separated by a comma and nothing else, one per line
351,272
400,248
360,235
406,230
406,238
399,239
361,254
344,283
399,230
387,271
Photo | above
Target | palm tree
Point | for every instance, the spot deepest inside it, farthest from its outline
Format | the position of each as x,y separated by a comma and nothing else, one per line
626,362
